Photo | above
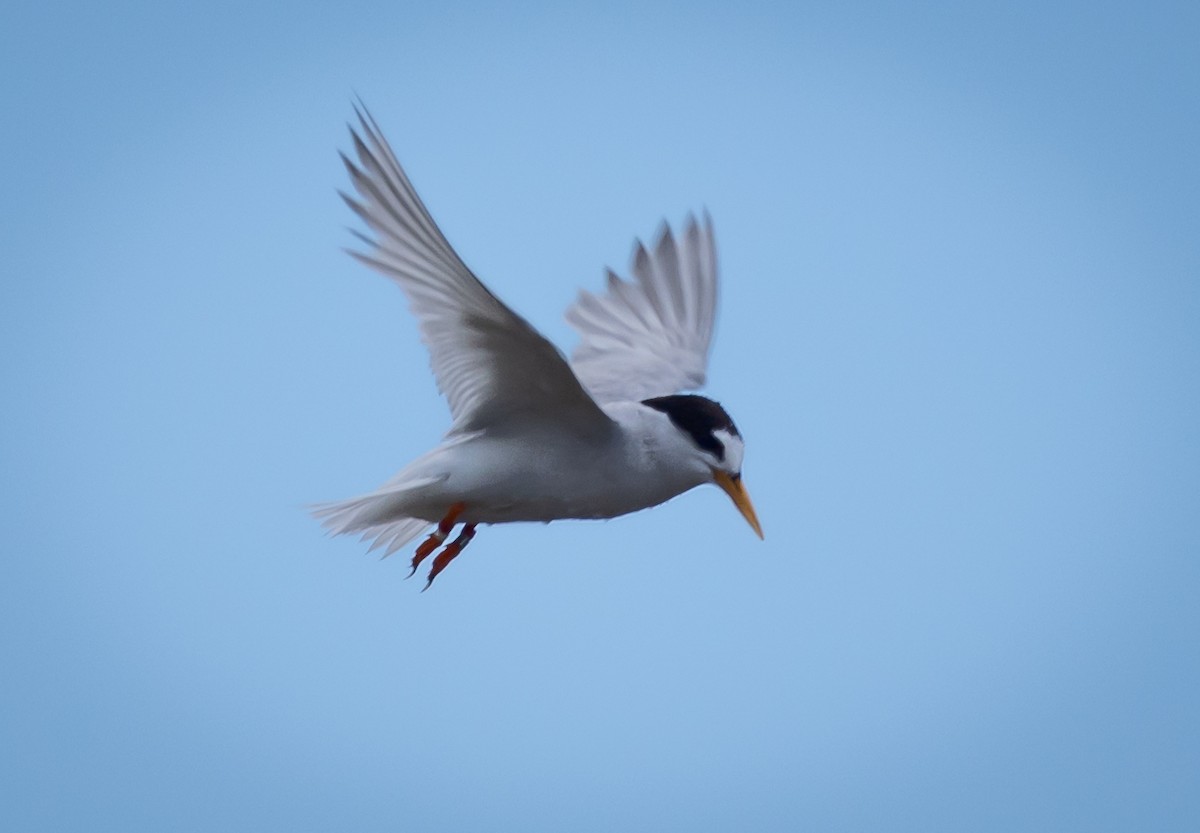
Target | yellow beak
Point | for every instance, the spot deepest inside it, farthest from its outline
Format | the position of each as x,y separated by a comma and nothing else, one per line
737,493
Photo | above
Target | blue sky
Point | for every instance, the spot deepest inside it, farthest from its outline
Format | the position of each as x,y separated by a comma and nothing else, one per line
959,331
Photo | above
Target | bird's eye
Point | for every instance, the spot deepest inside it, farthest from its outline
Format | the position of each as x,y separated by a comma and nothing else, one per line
717,448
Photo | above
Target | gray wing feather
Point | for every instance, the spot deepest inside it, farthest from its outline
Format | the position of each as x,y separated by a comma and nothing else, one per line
651,336
492,366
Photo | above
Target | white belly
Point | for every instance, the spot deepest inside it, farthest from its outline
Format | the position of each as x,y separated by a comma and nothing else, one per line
515,479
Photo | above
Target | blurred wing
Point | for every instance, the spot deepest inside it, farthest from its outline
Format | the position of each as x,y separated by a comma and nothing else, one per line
493,367
650,337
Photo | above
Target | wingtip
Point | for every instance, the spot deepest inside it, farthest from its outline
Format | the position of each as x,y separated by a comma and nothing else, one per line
664,230
694,222
360,107
640,253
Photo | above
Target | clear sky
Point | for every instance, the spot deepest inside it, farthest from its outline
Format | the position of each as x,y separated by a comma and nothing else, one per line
960,331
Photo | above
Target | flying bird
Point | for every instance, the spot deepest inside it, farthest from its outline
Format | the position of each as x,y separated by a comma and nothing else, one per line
536,437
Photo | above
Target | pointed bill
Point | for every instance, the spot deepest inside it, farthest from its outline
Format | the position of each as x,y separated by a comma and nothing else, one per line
733,487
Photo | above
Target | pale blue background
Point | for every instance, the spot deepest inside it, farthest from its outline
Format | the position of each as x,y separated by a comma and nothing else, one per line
960,332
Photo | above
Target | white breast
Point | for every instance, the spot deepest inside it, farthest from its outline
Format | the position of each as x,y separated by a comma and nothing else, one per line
545,475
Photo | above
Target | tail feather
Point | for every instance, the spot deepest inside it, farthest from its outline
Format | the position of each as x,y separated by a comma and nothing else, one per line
395,535
379,516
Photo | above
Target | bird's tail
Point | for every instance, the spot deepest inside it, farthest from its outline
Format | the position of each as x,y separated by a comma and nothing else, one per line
379,516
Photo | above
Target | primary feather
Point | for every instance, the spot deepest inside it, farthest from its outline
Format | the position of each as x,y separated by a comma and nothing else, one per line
651,336
493,367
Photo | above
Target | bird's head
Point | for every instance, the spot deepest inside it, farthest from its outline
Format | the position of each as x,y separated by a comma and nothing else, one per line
717,444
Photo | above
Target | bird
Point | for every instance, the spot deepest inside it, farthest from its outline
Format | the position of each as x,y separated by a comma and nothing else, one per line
535,436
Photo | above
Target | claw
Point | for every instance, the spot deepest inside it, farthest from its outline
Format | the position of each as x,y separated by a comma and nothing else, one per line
448,554
436,537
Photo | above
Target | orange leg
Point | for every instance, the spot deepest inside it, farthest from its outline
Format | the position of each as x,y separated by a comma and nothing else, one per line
447,555
436,537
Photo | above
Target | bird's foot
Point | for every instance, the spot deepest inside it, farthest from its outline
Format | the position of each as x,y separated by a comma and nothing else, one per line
447,555
436,537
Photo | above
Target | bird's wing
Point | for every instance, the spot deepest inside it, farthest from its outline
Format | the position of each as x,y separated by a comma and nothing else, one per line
494,368
651,336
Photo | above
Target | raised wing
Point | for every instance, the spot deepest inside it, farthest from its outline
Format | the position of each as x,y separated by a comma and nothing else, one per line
651,336
493,367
